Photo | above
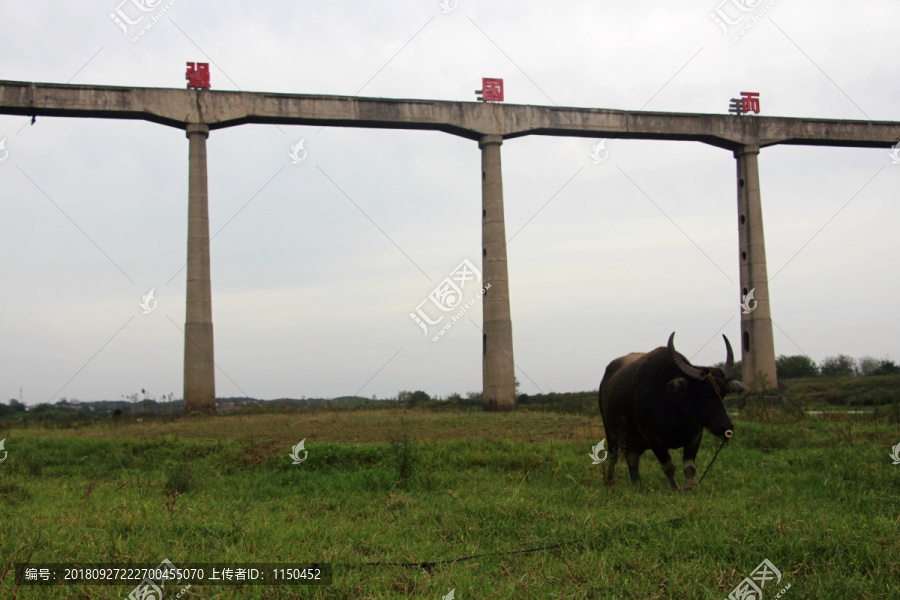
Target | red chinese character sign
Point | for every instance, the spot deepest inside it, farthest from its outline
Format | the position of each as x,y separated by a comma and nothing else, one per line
491,90
197,75
750,102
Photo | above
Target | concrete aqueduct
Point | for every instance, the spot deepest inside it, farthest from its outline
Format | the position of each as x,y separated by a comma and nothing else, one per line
200,111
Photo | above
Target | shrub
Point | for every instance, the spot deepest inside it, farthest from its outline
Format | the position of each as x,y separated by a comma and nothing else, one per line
799,365
838,366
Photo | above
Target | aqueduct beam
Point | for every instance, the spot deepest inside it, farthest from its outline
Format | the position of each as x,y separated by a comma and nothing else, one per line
199,111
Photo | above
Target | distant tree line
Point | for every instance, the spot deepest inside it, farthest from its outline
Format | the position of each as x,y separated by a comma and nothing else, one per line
800,365
12,408
65,407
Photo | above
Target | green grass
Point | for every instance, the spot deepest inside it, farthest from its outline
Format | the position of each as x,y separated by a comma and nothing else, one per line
817,496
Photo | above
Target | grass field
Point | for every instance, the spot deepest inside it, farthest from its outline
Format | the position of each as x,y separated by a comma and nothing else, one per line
817,496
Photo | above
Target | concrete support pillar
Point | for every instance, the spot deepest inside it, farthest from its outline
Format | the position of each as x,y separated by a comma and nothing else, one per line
199,369
757,346
498,374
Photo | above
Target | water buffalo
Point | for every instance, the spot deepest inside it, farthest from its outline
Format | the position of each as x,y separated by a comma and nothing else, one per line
658,401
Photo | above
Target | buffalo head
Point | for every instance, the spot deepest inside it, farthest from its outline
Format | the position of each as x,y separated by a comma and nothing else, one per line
700,390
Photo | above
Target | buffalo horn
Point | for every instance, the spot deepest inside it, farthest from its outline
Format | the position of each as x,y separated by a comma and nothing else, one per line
728,369
682,364
735,386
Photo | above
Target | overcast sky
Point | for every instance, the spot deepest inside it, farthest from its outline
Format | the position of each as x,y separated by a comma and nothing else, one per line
317,265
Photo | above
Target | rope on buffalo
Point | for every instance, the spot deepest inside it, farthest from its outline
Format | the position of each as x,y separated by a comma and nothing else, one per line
722,445
715,386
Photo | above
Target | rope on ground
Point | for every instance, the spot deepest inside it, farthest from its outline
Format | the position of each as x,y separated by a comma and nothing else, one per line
428,565
722,445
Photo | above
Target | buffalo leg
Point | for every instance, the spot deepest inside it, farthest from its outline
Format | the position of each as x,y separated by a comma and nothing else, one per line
668,467
611,458
634,462
688,462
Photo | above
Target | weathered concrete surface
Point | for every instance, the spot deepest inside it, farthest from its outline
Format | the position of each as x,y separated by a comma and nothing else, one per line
179,107
498,375
757,344
199,367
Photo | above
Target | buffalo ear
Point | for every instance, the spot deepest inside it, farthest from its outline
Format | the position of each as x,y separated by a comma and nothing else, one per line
735,386
676,385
